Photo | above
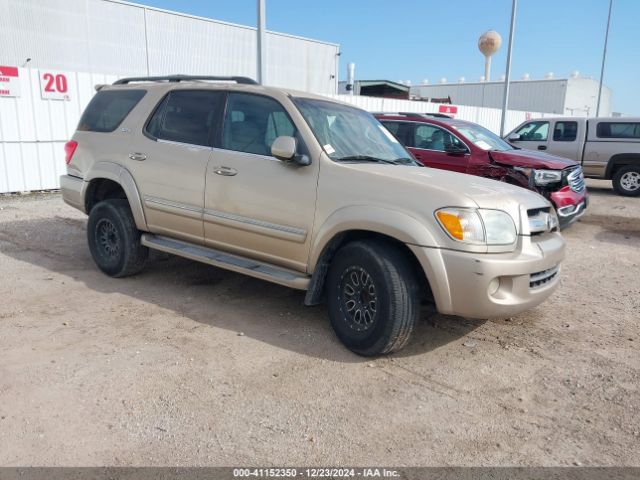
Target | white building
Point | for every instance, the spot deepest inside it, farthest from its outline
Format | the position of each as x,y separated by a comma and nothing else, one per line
562,96
120,38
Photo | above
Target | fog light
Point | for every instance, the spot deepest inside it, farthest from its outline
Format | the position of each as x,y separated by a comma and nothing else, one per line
494,285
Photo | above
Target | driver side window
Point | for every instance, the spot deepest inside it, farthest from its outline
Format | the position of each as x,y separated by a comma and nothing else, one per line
534,132
430,137
253,122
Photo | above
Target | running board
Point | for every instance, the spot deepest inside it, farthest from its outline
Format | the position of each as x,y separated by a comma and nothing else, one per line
235,263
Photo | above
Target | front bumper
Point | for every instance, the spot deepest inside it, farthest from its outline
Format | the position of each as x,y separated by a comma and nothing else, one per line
569,205
463,283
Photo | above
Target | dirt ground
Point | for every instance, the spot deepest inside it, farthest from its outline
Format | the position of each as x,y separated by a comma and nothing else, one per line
186,364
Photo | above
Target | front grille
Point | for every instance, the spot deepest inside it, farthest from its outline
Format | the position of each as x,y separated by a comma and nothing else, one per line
575,180
541,278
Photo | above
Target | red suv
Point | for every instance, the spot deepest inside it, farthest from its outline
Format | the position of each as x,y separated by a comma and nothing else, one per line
439,141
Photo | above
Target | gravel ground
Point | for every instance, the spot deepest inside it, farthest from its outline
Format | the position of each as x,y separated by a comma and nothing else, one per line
186,364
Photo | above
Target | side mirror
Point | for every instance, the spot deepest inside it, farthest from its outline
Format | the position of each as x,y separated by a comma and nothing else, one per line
515,137
456,150
284,148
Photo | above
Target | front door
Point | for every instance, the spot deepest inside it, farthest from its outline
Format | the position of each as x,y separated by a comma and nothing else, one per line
533,136
169,162
255,204
430,147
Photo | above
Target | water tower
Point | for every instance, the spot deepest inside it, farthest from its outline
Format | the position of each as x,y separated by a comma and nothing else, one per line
489,43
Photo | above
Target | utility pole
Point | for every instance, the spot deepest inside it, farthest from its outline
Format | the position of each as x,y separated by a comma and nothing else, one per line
604,57
262,43
507,77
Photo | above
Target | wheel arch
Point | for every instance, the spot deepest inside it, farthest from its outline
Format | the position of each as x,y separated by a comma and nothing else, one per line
110,180
620,160
380,224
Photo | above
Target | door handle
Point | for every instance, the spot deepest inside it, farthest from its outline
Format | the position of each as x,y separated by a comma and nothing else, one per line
225,171
137,156
542,147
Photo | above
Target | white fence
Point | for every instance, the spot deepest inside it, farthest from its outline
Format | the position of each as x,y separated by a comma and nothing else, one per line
487,117
33,129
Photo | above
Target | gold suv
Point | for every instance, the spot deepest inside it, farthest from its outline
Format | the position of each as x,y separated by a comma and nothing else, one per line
306,192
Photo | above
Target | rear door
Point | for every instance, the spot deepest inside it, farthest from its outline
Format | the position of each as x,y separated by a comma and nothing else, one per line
256,205
566,139
533,135
169,161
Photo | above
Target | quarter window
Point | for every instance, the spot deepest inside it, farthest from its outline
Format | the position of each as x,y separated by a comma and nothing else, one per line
534,132
565,131
186,116
108,108
618,130
253,122
430,137
401,130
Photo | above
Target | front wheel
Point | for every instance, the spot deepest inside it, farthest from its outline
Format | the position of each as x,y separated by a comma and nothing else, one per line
373,297
114,240
626,181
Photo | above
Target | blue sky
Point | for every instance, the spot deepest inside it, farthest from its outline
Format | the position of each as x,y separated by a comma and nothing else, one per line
418,39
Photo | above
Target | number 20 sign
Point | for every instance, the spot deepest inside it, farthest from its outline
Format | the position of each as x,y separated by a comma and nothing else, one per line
54,86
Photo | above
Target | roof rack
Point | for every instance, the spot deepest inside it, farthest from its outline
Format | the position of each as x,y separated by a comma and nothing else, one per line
416,114
430,114
185,78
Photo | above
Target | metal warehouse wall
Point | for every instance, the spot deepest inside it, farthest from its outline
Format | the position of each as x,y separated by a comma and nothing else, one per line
559,96
33,130
129,39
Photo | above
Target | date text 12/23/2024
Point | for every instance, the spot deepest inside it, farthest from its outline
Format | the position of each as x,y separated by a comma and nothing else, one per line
314,473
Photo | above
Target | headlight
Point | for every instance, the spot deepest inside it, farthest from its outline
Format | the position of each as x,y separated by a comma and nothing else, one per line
478,226
545,177
541,177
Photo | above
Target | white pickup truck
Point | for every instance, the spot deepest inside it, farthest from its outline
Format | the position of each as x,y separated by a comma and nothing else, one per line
607,148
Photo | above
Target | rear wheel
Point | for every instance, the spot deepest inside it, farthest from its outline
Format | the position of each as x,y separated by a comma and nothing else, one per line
626,181
114,240
373,297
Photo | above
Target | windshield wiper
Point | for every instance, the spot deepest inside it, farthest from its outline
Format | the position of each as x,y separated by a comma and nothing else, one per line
368,158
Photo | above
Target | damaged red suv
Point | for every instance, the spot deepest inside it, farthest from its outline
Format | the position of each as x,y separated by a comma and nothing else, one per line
439,141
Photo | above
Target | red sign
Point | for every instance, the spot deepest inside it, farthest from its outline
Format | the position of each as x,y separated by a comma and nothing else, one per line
527,116
448,109
9,82
54,86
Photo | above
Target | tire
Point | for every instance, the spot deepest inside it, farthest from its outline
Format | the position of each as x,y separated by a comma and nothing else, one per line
373,297
626,181
114,240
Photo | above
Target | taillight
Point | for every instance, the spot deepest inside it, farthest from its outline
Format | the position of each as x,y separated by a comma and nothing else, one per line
69,150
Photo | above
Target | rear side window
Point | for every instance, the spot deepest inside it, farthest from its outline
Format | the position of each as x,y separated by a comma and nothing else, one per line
618,130
187,116
253,122
403,131
108,108
534,132
565,131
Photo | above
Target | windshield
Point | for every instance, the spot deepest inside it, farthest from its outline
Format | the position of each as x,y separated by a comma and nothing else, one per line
351,135
483,138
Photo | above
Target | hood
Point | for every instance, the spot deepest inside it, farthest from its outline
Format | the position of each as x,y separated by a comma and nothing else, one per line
531,159
454,189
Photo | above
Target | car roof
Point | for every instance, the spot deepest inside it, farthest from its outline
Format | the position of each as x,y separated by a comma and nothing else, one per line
223,83
436,119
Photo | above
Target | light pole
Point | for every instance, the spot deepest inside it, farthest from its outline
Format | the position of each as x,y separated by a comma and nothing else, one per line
505,100
262,43
604,57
